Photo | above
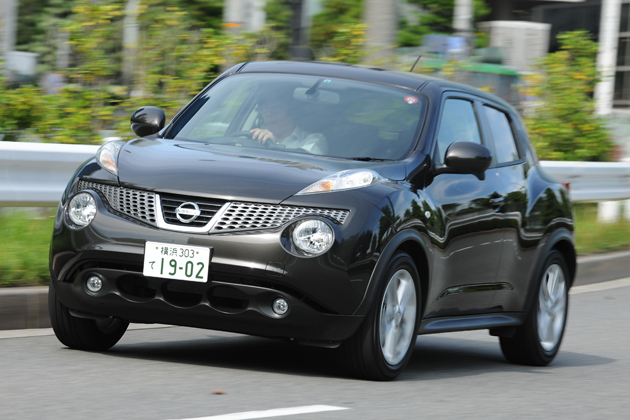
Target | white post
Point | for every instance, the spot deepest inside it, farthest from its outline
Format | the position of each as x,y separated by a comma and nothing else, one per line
626,212
462,21
607,56
382,21
608,211
8,29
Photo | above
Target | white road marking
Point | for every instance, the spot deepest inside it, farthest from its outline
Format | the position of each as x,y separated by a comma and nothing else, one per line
277,412
600,287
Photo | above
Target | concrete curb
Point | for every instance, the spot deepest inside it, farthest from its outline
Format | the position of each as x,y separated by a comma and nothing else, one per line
27,307
24,307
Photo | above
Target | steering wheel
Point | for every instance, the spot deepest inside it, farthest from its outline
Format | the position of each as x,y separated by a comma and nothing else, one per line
249,141
245,134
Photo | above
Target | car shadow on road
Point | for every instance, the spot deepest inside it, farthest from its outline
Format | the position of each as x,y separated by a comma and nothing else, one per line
438,356
434,357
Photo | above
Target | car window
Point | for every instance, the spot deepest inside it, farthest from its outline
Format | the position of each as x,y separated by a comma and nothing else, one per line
502,135
458,123
329,116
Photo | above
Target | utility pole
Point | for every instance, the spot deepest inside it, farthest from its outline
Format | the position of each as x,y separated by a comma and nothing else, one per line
131,33
299,50
607,55
8,29
382,20
462,21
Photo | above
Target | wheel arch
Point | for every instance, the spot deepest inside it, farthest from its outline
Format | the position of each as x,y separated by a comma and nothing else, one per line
566,248
411,242
560,240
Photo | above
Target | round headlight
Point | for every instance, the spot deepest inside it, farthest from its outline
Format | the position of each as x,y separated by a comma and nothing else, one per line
82,209
313,237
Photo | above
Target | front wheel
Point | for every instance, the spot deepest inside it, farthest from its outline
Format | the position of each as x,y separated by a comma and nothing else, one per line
81,333
537,341
384,343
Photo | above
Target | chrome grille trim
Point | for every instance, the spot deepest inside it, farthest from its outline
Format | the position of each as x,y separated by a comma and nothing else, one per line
207,206
162,224
138,204
250,216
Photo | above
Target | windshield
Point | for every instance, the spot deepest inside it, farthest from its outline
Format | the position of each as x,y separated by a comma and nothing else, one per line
306,114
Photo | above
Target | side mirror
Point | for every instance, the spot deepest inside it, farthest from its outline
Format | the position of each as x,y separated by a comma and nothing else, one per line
467,157
147,120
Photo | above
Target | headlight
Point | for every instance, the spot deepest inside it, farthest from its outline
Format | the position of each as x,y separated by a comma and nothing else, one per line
107,156
344,180
82,209
312,237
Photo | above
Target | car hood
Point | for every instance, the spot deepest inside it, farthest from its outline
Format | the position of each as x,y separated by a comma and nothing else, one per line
227,172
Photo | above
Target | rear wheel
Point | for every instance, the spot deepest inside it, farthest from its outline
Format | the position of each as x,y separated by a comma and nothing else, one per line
81,333
537,341
384,343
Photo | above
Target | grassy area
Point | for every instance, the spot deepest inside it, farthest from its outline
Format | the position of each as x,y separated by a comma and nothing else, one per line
24,240
25,237
592,237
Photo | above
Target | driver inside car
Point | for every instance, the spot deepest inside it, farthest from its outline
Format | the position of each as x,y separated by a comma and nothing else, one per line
278,111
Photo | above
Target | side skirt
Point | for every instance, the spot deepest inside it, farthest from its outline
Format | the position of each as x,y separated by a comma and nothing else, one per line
471,322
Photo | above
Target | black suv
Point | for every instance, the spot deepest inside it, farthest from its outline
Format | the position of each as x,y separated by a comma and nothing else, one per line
329,204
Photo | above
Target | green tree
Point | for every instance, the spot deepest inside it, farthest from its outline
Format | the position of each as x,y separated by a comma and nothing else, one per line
206,14
564,126
279,15
39,29
335,14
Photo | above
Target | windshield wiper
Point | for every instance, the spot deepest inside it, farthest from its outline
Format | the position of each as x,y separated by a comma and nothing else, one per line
368,159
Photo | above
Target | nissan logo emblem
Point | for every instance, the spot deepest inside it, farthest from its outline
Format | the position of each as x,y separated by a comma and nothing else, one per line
187,212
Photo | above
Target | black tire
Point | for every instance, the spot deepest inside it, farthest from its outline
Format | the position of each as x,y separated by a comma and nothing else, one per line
364,352
81,333
527,346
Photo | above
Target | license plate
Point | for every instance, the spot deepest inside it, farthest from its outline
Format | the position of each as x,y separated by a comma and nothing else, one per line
180,262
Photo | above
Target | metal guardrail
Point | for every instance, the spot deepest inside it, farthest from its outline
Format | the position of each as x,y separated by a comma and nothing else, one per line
592,181
35,174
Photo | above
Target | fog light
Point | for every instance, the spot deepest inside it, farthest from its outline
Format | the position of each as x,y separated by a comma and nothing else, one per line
280,306
94,284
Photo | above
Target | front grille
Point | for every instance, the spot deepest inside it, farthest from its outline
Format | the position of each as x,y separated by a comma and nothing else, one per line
208,208
141,205
245,216
134,203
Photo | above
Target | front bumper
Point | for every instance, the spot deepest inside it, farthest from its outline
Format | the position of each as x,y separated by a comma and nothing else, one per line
248,271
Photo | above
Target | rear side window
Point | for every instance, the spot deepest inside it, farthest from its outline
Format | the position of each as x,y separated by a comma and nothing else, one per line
458,123
502,134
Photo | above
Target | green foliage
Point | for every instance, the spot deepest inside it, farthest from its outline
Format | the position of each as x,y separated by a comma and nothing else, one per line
436,18
24,248
335,15
96,41
346,45
205,14
39,29
175,59
279,15
20,109
593,237
564,126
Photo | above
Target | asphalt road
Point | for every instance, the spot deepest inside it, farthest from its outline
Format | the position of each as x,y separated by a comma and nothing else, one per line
182,373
